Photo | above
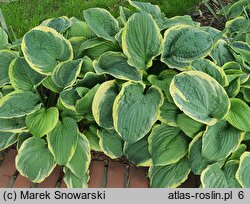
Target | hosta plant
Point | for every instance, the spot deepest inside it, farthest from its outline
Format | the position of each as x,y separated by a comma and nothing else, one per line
166,93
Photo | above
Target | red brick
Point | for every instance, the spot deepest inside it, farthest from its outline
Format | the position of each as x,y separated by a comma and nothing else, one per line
8,167
50,182
116,175
4,180
138,177
21,182
96,174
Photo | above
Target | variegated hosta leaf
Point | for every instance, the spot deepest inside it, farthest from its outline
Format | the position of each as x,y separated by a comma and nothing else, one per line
170,176
79,29
102,105
80,161
42,121
60,24
241,51
110,143
63,140
168,114
221,53
76,43
153,10
233,88
101,22
220,140
239,114
163,81
183,44
125,14
22,76
215,177
211,69
87,66
3,39
237,8
115,64
65,73
91,135
236,25
180,20
34,160
14,125
84,105
21,138
242,174
94,48
200,96
72,181
138,32
189,126
69,97
51,85
44,48
138,153
197,161
167,145
90,80
19,103
7,139
6,57
135,111
238,152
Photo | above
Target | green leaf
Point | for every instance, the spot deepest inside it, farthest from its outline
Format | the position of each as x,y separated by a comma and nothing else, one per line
84,105
102,105
14,125
115,64
233,88
220,140
242,174
167,145
170,176
238,152
44,48
138,153
69,97
7,139
180,20
79,29
141,40
72,181
135,110
211,69
101,22
153,10
60,24
90,80
22,76
239,114
63,140
168,114
199,96
221,53
110,143
183,44
91,135
51,85
80,161
189,126
163,81
197,161
19,103
22,137
66,73
42,121
6,57
215,177
34,160
3,39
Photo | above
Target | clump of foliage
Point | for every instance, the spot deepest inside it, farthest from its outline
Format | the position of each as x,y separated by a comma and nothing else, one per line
165,92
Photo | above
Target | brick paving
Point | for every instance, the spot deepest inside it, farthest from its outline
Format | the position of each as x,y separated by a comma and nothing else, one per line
103,174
